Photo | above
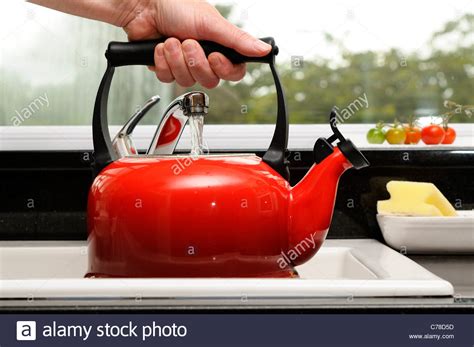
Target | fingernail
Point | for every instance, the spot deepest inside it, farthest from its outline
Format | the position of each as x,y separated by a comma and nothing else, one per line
172,46
189,48
261,46
159,51
215,60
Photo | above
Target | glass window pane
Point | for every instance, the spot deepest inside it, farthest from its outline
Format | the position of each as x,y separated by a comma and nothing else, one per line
375,61
51,65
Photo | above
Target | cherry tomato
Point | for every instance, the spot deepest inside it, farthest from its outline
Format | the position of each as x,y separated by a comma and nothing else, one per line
449,136
375,136
413,135
432,134
396,135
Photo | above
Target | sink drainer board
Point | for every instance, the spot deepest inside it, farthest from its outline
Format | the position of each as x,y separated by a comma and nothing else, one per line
342,268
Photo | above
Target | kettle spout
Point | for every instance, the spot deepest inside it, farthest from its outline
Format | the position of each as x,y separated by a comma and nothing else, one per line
311,206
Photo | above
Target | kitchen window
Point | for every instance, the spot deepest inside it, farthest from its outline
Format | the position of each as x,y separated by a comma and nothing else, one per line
377,62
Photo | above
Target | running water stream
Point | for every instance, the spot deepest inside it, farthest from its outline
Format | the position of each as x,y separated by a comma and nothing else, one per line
196,124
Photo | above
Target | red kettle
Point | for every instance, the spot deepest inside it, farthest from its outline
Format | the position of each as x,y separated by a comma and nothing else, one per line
223,215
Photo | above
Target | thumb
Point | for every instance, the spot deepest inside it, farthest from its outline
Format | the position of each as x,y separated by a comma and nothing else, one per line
217,28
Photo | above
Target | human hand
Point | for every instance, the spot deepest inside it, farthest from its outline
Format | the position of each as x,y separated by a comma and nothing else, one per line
190,20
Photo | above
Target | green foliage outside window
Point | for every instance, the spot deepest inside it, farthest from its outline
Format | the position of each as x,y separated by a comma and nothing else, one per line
396,86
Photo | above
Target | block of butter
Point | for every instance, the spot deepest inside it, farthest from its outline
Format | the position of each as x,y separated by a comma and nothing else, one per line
415,199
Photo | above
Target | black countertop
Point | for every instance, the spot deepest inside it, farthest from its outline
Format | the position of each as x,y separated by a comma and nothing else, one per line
44,193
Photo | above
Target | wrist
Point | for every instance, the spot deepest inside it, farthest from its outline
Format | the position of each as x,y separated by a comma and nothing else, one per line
116,12
132,10
119,12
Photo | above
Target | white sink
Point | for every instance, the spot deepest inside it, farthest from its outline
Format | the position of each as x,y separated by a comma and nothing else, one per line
342,268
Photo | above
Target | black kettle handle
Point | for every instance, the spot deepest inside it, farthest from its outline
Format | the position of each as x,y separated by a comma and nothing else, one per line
142,53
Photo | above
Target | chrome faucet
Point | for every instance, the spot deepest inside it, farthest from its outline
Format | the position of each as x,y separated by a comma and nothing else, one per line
123,143
175,118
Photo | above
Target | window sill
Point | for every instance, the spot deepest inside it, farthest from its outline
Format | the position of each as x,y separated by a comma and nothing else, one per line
218,137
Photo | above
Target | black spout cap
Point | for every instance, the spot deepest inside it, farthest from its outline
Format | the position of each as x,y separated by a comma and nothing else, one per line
352,154
321,150
324,148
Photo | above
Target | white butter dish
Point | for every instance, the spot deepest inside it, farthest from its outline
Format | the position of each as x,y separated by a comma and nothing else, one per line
429,235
